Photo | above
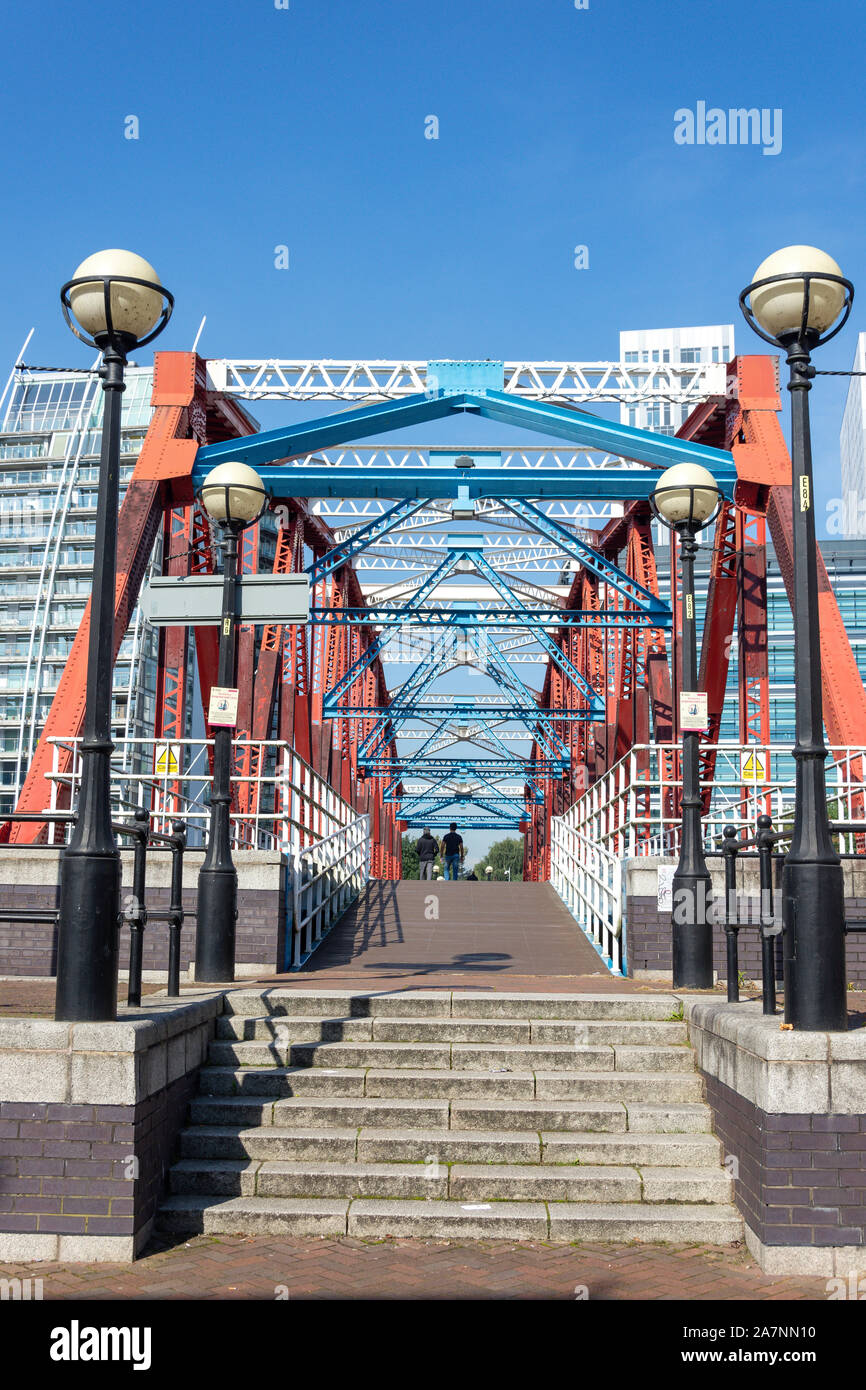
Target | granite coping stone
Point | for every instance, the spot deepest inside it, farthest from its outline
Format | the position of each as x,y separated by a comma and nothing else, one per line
116,1063
782,1071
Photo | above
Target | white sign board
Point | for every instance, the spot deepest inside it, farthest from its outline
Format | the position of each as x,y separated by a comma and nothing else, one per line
223,708
195,600
694,714
666,887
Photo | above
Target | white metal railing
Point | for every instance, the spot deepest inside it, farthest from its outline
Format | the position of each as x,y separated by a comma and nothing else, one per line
294,804
297,812
633,811
328,876
588,878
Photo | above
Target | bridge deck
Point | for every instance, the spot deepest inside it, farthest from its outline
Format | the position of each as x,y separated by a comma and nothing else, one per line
494,935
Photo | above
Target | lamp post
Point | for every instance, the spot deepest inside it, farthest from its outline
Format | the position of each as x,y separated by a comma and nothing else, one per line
797,301
234,496
115,303
685,499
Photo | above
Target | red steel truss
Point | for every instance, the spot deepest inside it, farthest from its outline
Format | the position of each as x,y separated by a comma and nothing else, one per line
280,679
285,669
640,675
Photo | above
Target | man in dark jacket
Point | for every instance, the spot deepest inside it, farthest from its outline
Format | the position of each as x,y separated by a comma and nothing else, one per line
427,850
453,852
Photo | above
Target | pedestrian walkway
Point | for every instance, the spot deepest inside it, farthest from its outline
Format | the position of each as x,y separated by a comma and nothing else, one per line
267,1267
454,934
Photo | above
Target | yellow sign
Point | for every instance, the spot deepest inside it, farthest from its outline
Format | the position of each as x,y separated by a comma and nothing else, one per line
805,499
754,766
167,759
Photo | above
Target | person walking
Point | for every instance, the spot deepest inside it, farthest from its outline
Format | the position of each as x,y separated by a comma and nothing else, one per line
427,850
453,852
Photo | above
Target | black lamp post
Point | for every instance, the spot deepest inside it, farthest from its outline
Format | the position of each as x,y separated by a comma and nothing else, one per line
234,496
686,499
796,297
114,303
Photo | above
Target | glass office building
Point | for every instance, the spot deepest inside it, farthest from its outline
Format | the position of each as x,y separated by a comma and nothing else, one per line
50,431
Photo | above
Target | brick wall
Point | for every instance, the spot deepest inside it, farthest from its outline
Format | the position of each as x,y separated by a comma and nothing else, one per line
30,948
648,931
83,1165
801,1179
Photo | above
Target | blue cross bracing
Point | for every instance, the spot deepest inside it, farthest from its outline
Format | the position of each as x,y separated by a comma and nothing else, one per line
286,460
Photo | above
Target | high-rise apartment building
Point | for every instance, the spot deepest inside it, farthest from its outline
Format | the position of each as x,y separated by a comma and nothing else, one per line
671,346
50,431
852,441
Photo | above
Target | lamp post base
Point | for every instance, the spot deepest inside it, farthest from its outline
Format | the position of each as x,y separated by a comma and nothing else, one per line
692,930
813,907
215,925
88,941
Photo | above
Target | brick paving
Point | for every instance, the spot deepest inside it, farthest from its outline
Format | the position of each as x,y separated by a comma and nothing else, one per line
28,998
252,1267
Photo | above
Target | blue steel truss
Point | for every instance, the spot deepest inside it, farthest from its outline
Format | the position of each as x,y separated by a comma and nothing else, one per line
456,475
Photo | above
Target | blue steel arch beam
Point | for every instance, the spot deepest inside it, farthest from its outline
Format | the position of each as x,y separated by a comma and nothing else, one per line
263,451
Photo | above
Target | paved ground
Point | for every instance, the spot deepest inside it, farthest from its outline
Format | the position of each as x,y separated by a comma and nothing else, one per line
492,935
238,1267
26,998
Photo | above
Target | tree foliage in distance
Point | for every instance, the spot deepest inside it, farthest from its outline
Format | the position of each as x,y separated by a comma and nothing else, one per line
502,855
409,857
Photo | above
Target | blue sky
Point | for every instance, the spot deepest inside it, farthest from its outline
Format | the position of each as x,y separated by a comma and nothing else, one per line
305,127
261,127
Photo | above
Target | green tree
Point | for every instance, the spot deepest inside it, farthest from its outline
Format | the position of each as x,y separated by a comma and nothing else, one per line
503,855
409,857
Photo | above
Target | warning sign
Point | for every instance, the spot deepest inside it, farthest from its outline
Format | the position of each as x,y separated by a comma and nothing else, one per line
167,760
754,765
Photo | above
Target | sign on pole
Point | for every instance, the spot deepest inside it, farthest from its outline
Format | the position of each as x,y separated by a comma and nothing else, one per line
167,759
223,708
754,765
195,600
694,714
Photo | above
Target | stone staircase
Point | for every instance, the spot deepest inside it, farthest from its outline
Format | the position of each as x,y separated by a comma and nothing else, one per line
451,1115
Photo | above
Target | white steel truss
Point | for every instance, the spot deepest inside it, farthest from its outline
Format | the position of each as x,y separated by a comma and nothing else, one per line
347,379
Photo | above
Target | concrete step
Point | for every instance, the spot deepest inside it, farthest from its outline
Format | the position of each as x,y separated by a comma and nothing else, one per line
268,1143
453,1030
662,1087
620,1007
434,1055
215,1215
506,1182
449,1085
473,1182
673,1223
446,1146
609,1116
687,1185
241,1028
612,1032
337,1003
530,1058
373,1218
320,1112
643,1151
280,1082
466,1004
313,1178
